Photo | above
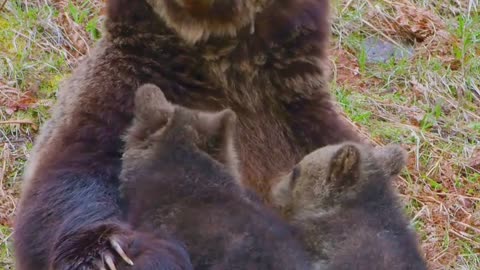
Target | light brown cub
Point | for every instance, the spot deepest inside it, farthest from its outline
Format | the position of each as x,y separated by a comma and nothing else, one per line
341,200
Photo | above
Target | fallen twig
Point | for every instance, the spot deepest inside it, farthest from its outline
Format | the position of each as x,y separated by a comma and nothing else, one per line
3,5
27,122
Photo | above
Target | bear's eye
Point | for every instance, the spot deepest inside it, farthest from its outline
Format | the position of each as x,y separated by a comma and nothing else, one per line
212,143
294,176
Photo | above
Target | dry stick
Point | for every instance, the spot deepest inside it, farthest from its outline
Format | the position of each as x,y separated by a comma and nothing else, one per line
347,5
3,4
2,172
28,122
381,33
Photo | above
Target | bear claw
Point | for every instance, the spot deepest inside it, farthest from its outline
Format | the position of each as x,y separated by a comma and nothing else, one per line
108,258
109,261
118,248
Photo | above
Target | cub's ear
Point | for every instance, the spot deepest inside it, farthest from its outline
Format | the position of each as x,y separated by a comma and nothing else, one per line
151,104
393,159
218,130
218,124
282,190
344,167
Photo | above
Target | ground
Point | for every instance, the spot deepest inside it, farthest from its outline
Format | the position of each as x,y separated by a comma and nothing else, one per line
403,71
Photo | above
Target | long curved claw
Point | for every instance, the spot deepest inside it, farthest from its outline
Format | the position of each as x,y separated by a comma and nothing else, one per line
117,247
109,262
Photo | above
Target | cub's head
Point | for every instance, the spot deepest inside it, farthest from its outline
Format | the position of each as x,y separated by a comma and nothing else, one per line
336,174
160,126
196,20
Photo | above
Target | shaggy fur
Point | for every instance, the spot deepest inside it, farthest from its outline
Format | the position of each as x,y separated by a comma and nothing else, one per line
176,179
340,198
272,77
156,252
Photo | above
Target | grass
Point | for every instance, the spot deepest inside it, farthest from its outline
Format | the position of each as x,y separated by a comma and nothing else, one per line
39,45
429,102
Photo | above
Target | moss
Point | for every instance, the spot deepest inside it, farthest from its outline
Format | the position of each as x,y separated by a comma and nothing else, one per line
49,86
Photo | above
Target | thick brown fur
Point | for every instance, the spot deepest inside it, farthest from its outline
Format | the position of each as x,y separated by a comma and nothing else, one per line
340,198
177,180
151,251
273,78
148,251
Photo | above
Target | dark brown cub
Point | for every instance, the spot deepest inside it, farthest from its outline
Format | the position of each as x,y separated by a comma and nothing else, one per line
177,179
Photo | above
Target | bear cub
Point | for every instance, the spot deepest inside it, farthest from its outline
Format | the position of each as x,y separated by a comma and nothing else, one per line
340,199
179,178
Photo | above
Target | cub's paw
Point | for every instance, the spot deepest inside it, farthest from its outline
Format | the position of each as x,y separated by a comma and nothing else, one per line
154,252
95,247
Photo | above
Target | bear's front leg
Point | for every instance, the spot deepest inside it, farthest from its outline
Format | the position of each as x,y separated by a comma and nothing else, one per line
97,246
316,122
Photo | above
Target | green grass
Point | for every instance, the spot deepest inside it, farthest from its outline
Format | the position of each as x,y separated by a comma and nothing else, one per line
429,104
5,250
36,54
431,107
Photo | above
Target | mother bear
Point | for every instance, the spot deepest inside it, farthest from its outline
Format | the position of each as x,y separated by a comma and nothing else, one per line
265,59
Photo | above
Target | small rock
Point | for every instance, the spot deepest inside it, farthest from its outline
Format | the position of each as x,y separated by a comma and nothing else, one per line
379,51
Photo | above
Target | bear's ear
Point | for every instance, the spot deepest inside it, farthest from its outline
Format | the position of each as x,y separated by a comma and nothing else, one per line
344,167
222,122
282,190
392,158
218,130
151,104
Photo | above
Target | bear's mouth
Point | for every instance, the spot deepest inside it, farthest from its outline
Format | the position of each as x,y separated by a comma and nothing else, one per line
196,6
196,20
219,10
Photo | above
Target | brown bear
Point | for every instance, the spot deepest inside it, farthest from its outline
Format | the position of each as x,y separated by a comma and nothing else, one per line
263,59
146,250
177,180
151,251
340,198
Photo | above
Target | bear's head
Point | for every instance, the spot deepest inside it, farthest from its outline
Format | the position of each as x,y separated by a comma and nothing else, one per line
334,175
158,125
196,20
